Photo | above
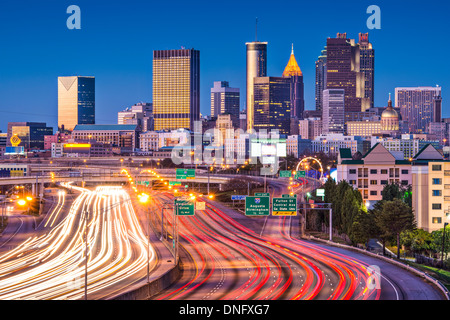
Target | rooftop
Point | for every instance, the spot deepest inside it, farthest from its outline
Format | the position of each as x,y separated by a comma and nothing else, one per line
105,127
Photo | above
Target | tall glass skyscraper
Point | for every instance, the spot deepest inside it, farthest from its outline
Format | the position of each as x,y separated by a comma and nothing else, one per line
176,89
225,100
367,66
321,78
344,72
76,101
256,67
272,102
294,73
333,111
418,106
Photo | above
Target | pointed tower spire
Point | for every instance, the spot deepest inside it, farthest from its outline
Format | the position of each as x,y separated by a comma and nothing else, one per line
292,68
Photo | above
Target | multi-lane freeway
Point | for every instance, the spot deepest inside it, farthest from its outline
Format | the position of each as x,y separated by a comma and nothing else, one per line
224,256
51,264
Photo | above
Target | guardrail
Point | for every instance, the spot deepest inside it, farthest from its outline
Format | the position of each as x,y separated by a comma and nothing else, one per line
418,272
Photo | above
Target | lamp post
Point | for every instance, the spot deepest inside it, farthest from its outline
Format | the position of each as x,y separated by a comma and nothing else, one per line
443,244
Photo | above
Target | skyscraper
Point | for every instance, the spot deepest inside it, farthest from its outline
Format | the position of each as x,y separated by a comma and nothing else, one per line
31,134
321,78
176,88
343,72
272,103
367,66
294,73
76,101
417,106
333,118
256,67
225,100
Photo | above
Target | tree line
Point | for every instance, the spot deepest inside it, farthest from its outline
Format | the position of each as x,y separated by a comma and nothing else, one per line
390,220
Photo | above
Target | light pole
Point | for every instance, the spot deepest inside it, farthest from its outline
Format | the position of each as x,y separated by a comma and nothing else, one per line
443,243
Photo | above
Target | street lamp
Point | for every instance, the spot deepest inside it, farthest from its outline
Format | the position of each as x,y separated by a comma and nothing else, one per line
144,198
443,243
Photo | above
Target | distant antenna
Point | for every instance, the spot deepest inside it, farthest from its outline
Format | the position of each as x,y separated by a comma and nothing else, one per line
256,30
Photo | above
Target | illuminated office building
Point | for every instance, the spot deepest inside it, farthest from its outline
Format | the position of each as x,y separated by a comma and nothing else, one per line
333,118
294,73
76,101
225,100
321,78
344,71
256,67
272,104
31,134
418,106
176,89
367,66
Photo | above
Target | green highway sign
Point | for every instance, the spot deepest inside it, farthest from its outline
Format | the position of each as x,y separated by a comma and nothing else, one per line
185,174
184,207
174,183
288,196
284,206
146,183
300,174
262,194
257,206
285,174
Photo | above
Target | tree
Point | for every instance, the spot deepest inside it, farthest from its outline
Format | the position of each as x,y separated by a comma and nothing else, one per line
395,217
365,228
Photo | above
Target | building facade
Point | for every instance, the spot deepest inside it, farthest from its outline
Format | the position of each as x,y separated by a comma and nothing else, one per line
321,78
344,72
333,116
76,101
272,104
31,134
225,100
119,136
141,114
417,106
176,89
256,67
373,172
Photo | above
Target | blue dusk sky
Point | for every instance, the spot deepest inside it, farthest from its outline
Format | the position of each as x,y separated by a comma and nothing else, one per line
117,39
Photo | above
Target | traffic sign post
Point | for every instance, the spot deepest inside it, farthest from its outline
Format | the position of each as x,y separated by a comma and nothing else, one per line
184,174
238,197
286,206
257,206
300,174
262,194
184,207
285,174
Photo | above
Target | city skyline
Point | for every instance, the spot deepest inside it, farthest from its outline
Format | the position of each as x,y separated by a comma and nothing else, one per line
123,68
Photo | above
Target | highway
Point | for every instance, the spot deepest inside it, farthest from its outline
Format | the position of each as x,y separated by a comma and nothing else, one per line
223,259
227,256
50,263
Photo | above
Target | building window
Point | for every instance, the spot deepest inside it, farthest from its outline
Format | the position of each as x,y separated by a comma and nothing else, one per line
352,181
373,193
436,167
384,171
373,171
437,181
437,220
437,193
352,171
383,182
404,182
436,206
373,182
405,171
